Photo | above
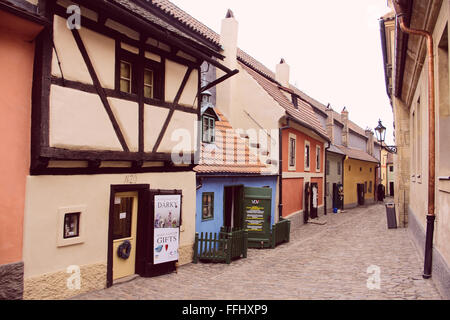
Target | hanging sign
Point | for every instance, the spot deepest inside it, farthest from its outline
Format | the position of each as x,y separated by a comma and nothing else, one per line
167,228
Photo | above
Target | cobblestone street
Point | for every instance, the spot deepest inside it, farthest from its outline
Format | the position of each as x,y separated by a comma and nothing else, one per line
321,262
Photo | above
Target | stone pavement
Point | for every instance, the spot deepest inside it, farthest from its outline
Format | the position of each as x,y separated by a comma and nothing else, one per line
321,262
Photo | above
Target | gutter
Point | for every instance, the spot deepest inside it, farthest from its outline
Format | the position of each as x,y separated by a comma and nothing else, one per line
325,179
280,167
431,215
385,62
25,14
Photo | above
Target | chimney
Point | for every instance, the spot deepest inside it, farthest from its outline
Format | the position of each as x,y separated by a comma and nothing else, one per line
345,131
228,41
282,73
370,141
330,123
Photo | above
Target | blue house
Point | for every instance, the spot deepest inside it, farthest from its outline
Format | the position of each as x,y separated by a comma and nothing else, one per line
234,189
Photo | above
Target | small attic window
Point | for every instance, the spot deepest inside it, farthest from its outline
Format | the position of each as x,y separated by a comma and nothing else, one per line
295,101
209,126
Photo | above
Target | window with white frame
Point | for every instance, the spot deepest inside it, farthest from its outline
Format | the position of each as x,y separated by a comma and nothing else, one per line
307,155
292,151
209,126
71,226
318,159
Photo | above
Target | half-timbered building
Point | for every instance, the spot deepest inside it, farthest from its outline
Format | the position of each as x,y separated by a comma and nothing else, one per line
114,124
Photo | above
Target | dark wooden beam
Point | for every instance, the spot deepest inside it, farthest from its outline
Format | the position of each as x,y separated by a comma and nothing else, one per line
172,109
99,89
110,93
88,155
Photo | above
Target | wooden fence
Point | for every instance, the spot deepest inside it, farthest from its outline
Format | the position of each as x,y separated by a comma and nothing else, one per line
281,232
222,247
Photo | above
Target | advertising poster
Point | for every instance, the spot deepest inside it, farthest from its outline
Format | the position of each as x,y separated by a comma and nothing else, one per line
167,228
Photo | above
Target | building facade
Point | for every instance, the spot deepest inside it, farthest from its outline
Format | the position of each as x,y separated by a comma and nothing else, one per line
114,126
19,27
422,163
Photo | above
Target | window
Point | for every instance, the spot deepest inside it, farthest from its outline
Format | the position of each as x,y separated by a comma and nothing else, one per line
207,206
295,101
328,189
148,83
307,153
71,225
134,76
365,187
327,167
419,140
391,169
125,76
349,168
71,228
339,168
122,218
209,125
292,151
317,158
370,186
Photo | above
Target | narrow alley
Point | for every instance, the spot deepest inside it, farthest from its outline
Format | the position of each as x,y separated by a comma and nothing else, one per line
327,261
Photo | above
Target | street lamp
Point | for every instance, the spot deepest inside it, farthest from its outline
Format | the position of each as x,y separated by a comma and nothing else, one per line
381,136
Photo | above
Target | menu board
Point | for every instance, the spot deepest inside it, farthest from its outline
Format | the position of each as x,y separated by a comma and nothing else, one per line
255,216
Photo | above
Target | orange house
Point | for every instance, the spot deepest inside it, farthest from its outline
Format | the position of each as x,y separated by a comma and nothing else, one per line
19,26
303,146
303,156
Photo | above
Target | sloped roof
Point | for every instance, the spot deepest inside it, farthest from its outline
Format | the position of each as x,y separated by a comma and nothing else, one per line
189,21
140,10
304,114
358,154
229,154
333,148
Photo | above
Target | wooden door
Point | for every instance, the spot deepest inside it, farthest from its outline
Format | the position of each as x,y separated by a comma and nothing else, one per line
125,216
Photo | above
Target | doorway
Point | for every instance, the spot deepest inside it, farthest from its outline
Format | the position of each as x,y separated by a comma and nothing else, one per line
314,201
391,189
232,207
127,232
125,216
360,193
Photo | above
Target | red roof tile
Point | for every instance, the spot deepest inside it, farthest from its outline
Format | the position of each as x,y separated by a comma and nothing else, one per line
229,154
304,114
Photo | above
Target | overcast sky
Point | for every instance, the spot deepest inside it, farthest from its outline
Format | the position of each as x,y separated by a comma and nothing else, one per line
333,48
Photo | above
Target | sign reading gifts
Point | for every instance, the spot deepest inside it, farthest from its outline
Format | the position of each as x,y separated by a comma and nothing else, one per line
167,228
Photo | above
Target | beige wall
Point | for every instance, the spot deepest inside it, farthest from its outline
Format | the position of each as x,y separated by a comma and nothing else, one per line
78,120
47,194
46,260
419,153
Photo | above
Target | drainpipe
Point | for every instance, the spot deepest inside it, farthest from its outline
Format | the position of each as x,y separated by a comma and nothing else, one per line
431,141
280,167
325,179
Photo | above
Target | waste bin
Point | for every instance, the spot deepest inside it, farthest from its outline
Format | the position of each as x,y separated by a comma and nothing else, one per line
391,217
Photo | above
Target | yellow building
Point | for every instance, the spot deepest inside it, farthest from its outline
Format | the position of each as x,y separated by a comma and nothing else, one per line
359,178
